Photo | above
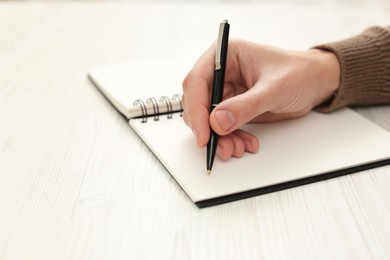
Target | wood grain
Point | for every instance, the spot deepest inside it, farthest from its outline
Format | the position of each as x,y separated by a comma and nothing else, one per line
77,183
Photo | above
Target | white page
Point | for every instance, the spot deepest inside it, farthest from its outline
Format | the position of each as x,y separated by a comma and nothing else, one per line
124,83
290,150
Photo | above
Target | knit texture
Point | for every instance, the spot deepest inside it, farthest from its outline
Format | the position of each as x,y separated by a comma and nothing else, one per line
365,69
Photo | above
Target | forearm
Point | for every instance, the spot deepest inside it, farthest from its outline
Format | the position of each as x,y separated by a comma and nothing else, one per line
365,69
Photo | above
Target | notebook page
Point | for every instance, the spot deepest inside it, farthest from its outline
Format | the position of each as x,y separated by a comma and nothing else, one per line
289,150
124,83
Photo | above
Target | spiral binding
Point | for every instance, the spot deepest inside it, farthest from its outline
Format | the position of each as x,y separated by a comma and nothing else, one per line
144,110
168,104
156,106
178,97
156,110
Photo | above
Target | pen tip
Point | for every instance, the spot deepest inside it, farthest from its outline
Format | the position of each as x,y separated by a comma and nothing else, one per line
208,172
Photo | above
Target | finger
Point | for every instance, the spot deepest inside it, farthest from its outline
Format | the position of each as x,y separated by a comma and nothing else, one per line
196,92
236,144
250,141
234,112
225,147
185,118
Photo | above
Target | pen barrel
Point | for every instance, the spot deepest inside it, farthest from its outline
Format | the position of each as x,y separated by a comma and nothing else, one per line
211,149
218,86
217,92
219,74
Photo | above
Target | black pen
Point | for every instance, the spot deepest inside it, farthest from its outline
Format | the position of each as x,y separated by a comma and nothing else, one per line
217,93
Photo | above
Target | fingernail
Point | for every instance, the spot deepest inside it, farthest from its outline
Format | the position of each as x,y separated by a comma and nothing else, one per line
225,119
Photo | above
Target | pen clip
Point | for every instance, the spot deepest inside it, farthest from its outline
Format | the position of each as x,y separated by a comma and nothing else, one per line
219,45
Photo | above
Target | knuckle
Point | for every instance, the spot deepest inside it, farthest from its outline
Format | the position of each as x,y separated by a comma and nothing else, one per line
188,79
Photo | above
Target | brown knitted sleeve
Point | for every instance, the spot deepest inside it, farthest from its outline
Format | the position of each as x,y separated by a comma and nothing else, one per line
365,69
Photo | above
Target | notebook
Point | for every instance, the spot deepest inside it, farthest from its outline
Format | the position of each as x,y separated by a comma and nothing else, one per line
294,152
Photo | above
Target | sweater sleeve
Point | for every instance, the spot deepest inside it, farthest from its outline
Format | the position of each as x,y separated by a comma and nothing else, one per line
365,69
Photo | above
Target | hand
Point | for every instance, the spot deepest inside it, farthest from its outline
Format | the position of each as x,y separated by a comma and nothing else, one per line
262,84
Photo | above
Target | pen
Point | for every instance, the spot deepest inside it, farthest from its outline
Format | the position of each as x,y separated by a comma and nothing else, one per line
217,92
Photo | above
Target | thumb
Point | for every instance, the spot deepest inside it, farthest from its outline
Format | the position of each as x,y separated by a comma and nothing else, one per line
235,112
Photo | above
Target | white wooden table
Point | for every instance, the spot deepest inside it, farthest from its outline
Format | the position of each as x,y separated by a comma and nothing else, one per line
77,183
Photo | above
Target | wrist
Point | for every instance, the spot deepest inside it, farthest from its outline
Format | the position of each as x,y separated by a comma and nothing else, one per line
326,68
